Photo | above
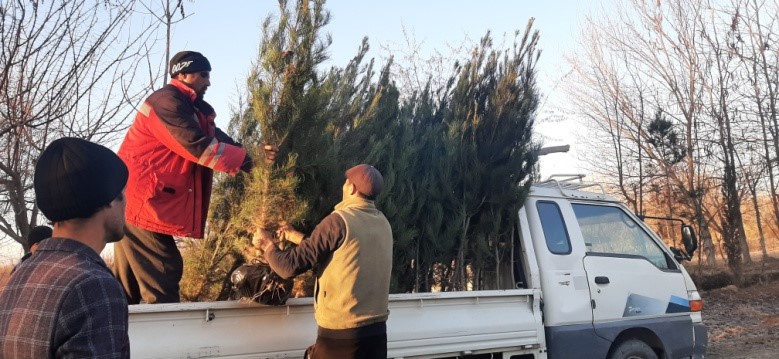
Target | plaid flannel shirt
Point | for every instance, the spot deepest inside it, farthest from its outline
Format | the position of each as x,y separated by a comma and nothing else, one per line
63,302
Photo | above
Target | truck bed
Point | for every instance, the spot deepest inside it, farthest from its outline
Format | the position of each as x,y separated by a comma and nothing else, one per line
426,325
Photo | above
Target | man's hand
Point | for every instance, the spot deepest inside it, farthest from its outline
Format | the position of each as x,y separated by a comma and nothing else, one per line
286,232
270,153
262,239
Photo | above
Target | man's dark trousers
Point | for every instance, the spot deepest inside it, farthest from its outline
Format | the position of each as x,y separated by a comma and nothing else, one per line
148,265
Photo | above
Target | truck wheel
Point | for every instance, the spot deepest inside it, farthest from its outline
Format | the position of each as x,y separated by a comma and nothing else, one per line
633,349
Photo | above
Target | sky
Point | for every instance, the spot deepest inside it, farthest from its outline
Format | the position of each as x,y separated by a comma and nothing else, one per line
228,33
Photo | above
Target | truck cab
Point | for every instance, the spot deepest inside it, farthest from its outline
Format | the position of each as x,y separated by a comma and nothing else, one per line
609,284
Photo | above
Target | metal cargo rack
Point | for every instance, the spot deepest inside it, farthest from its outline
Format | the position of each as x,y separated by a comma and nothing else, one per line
568,183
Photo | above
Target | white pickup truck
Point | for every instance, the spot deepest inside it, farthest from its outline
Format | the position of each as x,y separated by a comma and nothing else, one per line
592,281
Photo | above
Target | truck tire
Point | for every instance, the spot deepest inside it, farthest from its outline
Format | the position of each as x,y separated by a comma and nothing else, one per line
633,349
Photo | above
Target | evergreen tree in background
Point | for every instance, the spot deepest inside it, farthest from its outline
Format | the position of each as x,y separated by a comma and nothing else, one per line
379,137
490,116
664,137
418,259
457,160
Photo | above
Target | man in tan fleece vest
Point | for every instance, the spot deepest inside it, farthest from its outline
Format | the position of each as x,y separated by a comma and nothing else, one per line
351,251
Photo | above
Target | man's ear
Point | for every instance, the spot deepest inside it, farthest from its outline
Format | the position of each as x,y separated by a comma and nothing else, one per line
352,189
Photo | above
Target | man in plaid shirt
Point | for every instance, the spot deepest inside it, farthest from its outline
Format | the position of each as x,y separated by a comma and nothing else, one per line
63,302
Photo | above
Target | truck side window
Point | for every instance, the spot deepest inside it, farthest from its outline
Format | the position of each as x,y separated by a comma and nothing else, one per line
610,230
555,233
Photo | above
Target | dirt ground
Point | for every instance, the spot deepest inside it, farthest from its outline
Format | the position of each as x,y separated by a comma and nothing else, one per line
743,323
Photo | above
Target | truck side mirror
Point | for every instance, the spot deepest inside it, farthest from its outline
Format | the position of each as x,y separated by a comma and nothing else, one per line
689,239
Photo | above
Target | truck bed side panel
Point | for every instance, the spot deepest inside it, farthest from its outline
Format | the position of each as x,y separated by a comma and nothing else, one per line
419,325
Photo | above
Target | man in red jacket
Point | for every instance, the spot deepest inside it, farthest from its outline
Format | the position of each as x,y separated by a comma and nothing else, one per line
171,150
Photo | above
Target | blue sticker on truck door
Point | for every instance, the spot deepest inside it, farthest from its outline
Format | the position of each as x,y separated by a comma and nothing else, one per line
678,305
639,305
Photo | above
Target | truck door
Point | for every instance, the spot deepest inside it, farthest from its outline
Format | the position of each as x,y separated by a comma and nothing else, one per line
634,282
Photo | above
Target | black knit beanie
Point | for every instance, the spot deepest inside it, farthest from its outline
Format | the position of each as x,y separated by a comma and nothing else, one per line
186,62
37,234
74,178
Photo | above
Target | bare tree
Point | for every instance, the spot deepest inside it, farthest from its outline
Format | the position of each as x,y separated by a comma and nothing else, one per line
608,106
654,50
753,173
713,68
757,27
166,15
414,70
67,68
718,76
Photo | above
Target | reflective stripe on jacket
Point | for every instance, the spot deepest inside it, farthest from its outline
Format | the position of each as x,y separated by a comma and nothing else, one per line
171,150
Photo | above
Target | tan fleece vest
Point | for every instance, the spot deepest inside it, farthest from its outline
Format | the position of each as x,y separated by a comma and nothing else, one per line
353,289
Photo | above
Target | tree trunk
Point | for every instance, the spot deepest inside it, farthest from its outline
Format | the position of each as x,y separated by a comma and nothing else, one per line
758,220
416,267
704,235
497,265
774,117
766,152
732,223
462,278
734,202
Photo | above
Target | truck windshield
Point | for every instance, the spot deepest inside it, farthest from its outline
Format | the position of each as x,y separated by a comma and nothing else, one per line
610,230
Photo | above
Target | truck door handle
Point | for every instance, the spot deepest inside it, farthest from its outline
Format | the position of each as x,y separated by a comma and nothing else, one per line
601,280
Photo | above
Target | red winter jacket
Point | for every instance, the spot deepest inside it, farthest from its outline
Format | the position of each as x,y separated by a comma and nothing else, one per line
171,151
